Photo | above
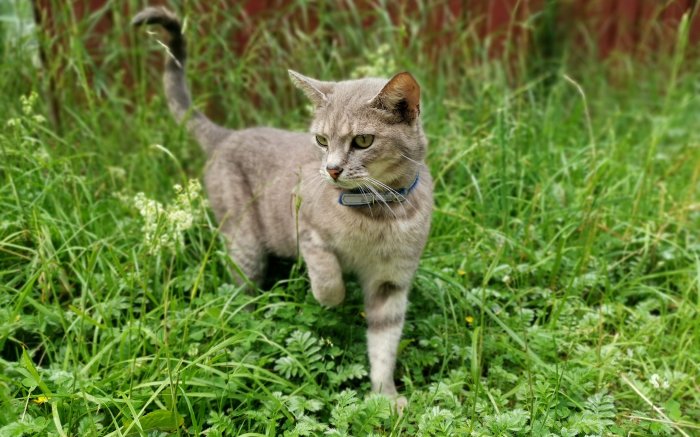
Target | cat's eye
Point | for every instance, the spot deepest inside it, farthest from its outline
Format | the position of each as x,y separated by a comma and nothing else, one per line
363,141
321,141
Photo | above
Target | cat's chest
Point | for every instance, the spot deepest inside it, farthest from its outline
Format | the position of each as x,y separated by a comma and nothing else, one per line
365,236
362,241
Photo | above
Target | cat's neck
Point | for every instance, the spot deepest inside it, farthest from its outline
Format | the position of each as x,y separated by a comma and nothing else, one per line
404,182
406,179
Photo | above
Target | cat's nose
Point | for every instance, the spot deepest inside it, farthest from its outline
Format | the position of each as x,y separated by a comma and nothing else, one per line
334,171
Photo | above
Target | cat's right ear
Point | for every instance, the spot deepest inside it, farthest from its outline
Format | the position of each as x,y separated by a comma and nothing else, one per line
316,90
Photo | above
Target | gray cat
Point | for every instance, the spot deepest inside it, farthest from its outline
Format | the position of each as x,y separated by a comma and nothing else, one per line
354,196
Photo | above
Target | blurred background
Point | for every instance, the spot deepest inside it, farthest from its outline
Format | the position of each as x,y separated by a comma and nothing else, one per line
88,44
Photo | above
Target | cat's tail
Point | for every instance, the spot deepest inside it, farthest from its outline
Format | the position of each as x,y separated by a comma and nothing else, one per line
208,134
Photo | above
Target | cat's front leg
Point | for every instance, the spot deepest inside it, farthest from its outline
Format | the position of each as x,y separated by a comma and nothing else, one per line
324,269
385,308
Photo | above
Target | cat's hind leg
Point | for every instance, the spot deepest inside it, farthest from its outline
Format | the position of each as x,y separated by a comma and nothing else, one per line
248,255
235,208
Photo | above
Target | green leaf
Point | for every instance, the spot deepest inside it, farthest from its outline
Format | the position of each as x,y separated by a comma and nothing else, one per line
27,363
33,426
673,409
29,383
160,420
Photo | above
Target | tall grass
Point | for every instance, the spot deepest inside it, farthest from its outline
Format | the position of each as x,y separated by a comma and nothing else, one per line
558,295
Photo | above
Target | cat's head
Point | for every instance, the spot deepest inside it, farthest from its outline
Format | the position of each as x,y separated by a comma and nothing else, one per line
366,129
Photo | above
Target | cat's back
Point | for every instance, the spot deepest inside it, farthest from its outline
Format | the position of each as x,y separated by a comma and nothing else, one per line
252,174
262,153
266,146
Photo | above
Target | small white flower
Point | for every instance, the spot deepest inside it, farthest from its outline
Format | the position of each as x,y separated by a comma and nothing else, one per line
41,155
117,172
28,102
193,350
180,219
658,383
163,226
654,380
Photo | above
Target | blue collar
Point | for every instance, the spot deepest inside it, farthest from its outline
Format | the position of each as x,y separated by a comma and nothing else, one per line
357,197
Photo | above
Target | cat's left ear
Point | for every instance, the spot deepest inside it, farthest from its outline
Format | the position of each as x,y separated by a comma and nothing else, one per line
400,96
317,91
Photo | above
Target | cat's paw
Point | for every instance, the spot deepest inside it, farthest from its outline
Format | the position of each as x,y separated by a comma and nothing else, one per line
400,403
329,296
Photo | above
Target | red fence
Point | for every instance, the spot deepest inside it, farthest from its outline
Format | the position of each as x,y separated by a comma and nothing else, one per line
631,26
616,25
641,28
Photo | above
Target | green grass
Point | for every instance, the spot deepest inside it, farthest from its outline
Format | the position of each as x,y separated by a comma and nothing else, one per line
558,294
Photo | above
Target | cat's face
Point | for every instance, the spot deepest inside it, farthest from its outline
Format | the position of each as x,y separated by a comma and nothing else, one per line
368,131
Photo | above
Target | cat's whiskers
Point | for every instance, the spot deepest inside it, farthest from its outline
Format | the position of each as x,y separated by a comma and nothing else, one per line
381,184
381,199
361,187
402,198
412,160
388,207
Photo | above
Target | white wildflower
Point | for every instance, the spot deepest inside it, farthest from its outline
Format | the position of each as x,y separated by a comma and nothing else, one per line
28,102
164,226
180,219
657,382
193,350
116,172
150,210
23,128
654,380
41,154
